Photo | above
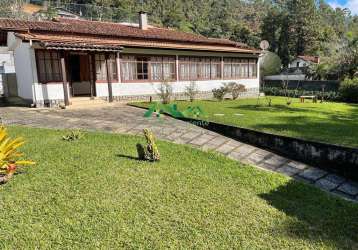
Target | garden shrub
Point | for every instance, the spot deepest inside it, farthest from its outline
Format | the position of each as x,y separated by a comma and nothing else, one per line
73,135
165,92
296,93
191,91
150,152
220,93
349,90
9,156
235,89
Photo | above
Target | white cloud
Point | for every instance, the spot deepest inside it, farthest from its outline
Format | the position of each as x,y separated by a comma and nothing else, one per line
352,5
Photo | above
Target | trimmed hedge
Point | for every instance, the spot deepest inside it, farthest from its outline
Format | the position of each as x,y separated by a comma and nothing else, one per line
349,90
329,95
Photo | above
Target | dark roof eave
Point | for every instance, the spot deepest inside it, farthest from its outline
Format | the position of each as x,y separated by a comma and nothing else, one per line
224,50
81,47
154,38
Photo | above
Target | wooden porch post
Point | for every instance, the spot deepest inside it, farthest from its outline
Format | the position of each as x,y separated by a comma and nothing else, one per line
110,93
118,60
222,67
64,80
92,61
177,68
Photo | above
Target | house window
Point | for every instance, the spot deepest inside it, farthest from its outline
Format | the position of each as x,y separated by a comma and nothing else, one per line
141,68
298,64
199,68
252,68
48,66
101,69
239,68
162,68
3,38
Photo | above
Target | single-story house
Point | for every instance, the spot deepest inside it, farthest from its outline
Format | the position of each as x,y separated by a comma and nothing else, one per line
296,70
58,60
303,61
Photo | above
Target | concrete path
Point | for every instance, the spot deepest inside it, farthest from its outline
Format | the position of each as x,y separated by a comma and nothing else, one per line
119,118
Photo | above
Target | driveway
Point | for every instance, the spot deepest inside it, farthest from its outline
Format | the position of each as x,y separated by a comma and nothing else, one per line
120,118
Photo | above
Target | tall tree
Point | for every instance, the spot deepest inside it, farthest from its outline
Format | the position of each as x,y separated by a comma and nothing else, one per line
303,26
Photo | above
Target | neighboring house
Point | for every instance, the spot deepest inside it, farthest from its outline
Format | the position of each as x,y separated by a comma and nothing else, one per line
60,12
296,69
7,66
303,62
57,61
40,11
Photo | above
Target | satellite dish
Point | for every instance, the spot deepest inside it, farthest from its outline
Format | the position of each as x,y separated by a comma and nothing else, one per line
264,45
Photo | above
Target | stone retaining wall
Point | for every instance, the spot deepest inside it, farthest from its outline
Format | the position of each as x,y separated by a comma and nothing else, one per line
334,158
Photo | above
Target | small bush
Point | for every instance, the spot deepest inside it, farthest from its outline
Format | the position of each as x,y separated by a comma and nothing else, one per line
150,152
349,90
235,89
165,92
220,93
9,156
73,135
329,95
191,91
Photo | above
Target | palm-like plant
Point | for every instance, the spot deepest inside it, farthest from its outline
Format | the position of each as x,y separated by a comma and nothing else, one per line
10,156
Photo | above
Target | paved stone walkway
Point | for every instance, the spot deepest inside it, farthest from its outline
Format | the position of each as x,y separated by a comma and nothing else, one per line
119,118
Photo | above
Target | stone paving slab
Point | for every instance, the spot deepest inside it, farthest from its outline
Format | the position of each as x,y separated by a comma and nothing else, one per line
288,170
350,188
121,118
326,184
313,174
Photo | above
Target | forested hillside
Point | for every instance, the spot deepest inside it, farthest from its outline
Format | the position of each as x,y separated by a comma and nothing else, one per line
292,27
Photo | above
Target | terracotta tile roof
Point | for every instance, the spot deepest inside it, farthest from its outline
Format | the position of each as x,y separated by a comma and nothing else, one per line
314,59
85,41
89,30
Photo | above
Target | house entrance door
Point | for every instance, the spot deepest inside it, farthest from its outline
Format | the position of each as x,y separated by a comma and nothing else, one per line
80,74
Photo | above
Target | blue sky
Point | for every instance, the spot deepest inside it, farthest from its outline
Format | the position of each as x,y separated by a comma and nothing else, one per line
350,4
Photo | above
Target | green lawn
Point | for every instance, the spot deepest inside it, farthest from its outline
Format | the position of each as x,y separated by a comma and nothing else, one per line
94,193
330,122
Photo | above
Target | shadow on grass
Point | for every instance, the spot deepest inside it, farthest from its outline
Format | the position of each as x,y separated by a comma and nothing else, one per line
276,107
333,130
128,157
321,216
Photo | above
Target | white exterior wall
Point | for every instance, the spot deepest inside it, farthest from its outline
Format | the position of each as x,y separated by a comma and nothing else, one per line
132,89
25,66
302,63
51,91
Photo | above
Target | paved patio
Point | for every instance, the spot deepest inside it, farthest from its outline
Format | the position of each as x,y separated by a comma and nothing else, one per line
119,118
